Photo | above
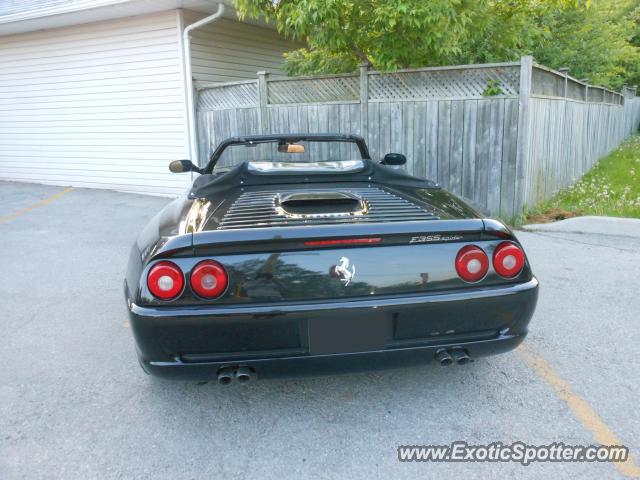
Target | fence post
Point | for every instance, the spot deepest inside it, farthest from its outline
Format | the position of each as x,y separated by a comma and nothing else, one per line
565,71
586,89
364,101
522,147
263,100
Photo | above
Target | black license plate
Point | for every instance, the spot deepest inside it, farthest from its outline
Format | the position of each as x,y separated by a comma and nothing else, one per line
343,334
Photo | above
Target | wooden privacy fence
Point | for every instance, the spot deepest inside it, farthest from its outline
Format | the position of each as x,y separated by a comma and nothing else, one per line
539,131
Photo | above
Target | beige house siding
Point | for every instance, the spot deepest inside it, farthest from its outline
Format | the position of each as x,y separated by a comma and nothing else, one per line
95,105
228,50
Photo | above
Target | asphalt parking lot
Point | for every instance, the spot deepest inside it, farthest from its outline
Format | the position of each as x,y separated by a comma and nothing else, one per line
75,405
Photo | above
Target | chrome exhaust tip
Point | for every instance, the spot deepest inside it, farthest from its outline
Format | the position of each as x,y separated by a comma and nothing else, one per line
245,374
225,376
443,357
460,356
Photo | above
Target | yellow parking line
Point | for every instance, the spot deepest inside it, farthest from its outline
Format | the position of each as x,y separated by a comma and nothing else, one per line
601,433
42,203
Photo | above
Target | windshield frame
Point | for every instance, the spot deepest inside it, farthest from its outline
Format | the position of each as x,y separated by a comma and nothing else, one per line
286,138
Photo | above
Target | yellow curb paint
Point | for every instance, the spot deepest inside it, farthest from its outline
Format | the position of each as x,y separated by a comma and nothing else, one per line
46,201
601,433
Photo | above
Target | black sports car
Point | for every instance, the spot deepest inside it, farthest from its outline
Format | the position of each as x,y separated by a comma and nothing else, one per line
299,254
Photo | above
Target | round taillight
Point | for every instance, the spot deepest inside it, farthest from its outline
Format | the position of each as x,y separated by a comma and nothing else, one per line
165,280
209,279
472,263
508,259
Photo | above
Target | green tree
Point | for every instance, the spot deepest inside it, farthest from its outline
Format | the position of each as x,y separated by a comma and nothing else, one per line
632,64
505,30
595,43
388,34
597,39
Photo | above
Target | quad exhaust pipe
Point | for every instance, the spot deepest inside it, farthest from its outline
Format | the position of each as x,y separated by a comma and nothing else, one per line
245,374
444,358
241,374
457,355
460,356
225,376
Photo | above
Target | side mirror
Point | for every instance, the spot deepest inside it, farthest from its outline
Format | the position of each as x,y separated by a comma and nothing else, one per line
394,159
181,166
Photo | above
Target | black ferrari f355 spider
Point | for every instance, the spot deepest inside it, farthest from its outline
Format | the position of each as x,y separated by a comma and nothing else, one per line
297,254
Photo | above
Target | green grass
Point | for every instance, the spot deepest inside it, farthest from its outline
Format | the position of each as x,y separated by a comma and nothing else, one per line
611,188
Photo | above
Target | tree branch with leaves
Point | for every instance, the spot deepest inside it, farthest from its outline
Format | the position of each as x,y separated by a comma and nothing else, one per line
596,39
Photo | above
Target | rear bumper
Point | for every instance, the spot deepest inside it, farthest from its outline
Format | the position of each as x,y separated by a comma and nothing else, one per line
195,342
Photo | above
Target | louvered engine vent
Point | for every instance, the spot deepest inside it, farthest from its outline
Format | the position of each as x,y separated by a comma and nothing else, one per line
320,207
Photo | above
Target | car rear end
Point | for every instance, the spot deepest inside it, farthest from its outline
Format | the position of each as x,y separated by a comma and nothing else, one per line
316,292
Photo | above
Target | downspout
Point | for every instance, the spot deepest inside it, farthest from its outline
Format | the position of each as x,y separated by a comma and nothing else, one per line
191,114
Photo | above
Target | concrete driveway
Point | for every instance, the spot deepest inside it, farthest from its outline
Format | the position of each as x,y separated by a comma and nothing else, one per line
75,405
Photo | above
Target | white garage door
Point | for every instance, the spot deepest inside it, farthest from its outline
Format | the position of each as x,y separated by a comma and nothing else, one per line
96,105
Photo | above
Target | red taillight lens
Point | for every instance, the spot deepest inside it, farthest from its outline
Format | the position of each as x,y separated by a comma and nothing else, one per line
165,280
508,259
472,263
209,279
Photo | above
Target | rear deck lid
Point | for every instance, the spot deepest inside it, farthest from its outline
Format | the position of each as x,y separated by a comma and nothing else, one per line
320,242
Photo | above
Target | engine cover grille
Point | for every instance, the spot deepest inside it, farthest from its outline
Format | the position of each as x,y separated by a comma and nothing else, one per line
262,209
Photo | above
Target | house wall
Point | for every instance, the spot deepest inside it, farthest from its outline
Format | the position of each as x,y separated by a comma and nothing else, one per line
95,105
102,104
227,50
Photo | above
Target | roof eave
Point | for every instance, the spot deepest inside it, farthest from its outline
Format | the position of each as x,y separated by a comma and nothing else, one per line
86,11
